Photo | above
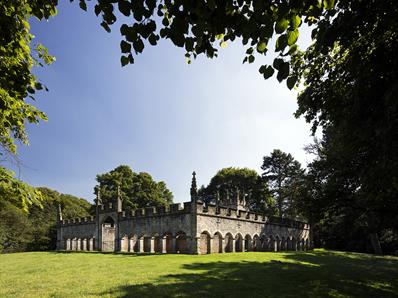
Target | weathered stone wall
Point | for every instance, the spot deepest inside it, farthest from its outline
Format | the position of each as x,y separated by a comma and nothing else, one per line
222,229
191,228
77,234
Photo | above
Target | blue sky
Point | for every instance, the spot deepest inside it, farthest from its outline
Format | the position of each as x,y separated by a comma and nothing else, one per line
159,115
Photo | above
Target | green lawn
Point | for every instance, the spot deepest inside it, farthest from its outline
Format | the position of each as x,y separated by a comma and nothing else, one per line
314,274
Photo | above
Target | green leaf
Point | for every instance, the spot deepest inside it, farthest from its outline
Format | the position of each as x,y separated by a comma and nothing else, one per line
97,9
281,25
278,62
328,4
125,47
124,7
223,44
292,36
124,29
165,21
152,39
291,81
261,47
251,59
106,26
281,43
151,4
138,45
293,49
295,21
268,72
283,71
83,5
124,60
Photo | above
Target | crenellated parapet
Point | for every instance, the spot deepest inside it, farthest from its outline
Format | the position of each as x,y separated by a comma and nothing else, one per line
78,221
189,207
242,215
157,211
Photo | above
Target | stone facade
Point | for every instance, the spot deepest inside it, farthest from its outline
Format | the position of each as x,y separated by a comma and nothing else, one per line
193,228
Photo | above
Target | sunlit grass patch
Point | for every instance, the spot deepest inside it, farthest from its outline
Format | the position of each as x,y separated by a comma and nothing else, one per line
257,274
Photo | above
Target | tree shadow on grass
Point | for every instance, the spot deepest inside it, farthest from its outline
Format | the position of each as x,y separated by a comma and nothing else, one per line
95,252
309,275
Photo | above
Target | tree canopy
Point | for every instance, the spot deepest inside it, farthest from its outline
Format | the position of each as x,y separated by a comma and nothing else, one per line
231,182
283,174
137,190
36,229
17,57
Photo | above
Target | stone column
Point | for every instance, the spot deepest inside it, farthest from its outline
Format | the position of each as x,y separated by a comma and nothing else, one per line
173,245
84,244
211,245
90,244
152,245
140,244
196,248
243,245
78,244
131,244
163,245
222,245
233,245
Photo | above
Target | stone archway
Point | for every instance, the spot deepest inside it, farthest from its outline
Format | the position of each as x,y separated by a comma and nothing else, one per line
181,243
108,234
204,245
256,243
217,243
238,243
229,243
168,237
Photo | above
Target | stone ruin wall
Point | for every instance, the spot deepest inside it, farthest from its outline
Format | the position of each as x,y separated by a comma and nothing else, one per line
191,228
228,230
77,234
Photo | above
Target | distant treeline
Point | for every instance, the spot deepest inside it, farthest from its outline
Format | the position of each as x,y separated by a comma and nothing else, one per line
36,230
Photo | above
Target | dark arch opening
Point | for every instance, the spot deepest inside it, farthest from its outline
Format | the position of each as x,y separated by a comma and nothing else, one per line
109,222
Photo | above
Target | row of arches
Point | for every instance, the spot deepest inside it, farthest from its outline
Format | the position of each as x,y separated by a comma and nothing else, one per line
205,244
79,244
216,243
167,243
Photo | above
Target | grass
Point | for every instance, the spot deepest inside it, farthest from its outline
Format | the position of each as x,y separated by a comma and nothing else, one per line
314,274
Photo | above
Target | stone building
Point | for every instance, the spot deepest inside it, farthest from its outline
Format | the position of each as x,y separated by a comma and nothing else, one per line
193,228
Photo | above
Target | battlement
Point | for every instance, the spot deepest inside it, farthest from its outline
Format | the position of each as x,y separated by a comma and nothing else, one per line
142,212
189,207
220,211
157,211
78,221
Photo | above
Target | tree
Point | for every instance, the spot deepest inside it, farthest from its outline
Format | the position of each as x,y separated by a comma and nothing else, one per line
36,229
242,182
136,190
283,174
351,86
18,193
17,83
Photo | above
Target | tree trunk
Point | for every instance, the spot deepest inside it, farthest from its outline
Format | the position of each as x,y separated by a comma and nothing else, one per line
374,239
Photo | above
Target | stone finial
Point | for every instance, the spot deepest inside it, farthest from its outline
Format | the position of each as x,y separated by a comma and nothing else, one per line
99,201
59,212
194,190
119,199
